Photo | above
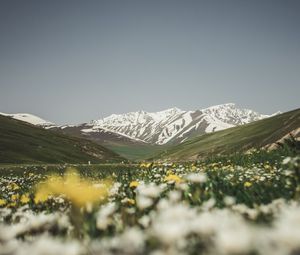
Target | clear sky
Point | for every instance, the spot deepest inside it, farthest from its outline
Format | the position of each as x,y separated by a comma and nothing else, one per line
73,61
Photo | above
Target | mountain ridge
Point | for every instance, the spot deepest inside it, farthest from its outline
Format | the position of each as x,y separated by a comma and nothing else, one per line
175,125
170,126
137,135
264,133
30,118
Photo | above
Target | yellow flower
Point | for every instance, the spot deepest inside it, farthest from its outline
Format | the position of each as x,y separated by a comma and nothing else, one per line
173,178
14,186
147,165
25,198
2,202
267,167
41,196
12,204
247,184
15,197
169,172
130,201
79,191
134,184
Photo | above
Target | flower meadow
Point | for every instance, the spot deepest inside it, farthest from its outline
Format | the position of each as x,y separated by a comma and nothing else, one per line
226,205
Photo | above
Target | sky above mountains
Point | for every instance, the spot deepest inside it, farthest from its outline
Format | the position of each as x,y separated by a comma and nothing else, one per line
73,61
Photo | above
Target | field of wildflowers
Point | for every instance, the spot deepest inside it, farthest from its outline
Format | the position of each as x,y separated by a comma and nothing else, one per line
241,204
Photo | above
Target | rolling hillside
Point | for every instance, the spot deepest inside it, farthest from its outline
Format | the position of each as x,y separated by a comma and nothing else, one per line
135,152
129,148
241,138
21,142
139,135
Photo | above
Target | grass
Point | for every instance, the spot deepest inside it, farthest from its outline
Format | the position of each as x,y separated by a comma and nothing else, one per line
135,152
24,143
143,208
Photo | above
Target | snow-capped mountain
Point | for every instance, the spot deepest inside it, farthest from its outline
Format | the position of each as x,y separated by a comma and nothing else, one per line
139,125
175,125
30,118
96,134
171,126
85,130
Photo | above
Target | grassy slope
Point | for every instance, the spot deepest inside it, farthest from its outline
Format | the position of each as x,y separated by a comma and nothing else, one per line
134,151
24,143
241,138
126,147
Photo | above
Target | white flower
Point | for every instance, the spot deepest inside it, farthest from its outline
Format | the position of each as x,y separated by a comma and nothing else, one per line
143,202
234,239
286,160
149,190
103,216
145,195
287,227
145,221
209,204
174,196
131,241
114,189
197,177
228,200
49,246
172,223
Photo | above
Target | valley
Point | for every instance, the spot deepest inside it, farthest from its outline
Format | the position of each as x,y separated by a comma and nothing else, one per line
201,182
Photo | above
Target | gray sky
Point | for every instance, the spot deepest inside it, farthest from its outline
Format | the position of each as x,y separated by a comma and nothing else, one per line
73,61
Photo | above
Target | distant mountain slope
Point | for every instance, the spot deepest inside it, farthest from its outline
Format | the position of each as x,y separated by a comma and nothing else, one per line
98,135
123,145
241,138
24,143
136,135
174,126
30,118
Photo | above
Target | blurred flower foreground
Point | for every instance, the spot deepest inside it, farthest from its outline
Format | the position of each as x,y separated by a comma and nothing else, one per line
226,205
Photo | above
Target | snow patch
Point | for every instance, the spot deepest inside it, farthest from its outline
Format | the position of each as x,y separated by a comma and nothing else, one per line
29,118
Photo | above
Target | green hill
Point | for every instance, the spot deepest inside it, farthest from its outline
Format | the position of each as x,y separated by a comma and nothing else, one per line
128,148
24,143
134,152
254,135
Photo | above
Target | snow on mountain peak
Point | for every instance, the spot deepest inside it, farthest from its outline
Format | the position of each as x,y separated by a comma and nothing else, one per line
172,110
137,117
174,124
30,118
226,105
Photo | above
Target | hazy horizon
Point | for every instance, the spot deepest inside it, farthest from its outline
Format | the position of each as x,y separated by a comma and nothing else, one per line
73,61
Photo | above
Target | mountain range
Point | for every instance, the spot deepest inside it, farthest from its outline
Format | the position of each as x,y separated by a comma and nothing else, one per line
269,133
169,134
171,126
